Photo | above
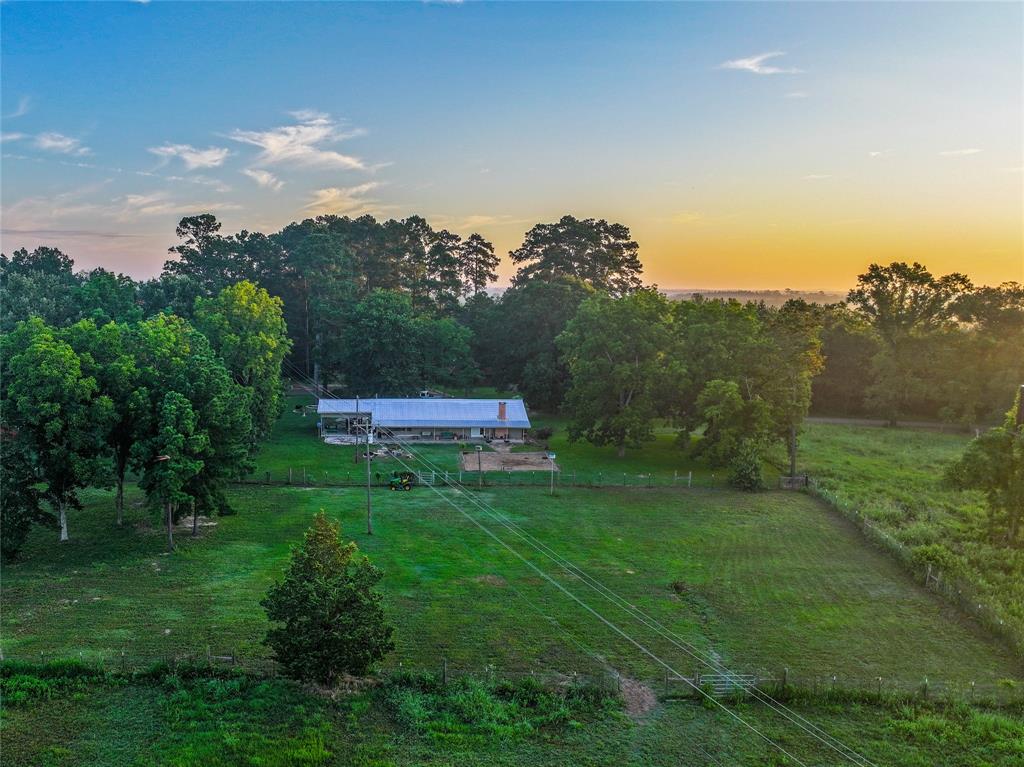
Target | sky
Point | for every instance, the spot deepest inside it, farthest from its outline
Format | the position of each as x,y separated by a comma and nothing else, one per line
754,146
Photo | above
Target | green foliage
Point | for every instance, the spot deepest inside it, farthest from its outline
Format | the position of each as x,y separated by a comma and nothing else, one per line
519,347
616,353
848,346
56,411
994,464
20,499
172,356
472,711
745,467
328,618
478,262
391,351
107,297
730,421
596,252
245,326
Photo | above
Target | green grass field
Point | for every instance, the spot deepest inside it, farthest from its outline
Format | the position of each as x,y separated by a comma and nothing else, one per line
761,582
894,478
764,581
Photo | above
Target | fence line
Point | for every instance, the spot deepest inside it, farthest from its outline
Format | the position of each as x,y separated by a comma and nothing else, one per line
721,685
956,590
300,476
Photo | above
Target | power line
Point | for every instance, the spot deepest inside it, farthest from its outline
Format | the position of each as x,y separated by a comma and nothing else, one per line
634,612
809,727
607,622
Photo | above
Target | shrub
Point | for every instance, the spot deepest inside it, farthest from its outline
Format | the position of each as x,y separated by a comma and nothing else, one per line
745,467
328,618
542,433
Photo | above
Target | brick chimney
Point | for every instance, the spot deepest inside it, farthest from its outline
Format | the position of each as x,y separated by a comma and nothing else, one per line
502,415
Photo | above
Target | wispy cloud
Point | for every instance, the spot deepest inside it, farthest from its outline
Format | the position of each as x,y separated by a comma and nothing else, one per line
23,108
131,206
264,178
303,143
342,200
880,153
959,152
816,176
52,141
4,137
757,65
211,157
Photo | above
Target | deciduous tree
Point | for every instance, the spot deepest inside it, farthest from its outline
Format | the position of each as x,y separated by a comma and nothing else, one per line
58,413
615,349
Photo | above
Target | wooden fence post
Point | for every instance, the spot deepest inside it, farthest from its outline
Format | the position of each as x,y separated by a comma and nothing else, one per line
689,479
289,475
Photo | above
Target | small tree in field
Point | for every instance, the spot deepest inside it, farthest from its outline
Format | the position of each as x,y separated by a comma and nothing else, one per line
328,620
745,467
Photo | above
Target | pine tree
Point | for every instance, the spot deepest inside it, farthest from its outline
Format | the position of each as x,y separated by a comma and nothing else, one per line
328,619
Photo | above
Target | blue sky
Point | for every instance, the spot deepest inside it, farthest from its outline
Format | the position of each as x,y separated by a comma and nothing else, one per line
876,131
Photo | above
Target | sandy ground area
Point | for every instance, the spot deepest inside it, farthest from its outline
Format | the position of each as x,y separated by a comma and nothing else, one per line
505,460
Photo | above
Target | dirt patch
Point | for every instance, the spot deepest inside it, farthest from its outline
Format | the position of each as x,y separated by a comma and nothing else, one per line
506,461
638,698
491,580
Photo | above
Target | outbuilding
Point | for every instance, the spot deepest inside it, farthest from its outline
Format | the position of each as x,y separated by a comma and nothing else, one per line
423,419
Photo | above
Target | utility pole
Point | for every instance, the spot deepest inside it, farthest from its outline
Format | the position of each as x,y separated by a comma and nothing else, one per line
479,467
551,459
366,426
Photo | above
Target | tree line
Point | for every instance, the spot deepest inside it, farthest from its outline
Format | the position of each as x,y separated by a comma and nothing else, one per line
180,404
367,307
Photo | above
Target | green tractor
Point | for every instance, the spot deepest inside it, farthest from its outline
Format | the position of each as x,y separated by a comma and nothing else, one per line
402,480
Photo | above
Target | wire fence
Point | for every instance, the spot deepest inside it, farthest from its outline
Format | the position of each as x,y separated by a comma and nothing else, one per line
728,684
380,477
961,593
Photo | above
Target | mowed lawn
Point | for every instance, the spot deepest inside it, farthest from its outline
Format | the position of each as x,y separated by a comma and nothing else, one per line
762,581
295,446
894,477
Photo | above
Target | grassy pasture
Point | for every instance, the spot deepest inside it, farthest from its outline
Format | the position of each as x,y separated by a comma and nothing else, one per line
894,477
764,581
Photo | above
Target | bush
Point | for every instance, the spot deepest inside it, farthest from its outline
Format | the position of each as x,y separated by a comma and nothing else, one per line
745,468
542,433
473,710
329,620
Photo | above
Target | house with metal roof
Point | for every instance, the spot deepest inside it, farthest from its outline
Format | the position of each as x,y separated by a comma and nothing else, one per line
423,419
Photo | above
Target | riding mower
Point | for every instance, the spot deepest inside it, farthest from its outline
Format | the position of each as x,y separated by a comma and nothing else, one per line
402,480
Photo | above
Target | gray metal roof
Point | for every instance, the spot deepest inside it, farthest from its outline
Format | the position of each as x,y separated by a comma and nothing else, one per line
451,413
